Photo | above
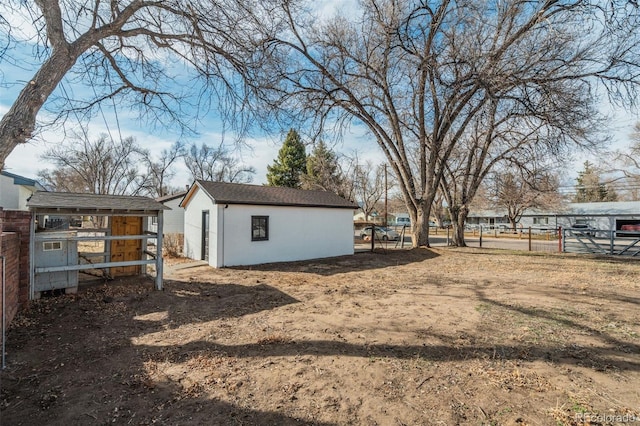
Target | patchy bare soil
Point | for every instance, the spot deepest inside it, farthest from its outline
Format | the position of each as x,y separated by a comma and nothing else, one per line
403,338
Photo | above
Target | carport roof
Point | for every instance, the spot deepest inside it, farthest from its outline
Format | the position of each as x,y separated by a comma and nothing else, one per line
92,202
236,193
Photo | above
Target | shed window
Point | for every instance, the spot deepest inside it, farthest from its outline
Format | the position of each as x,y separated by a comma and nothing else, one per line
51,245
259,228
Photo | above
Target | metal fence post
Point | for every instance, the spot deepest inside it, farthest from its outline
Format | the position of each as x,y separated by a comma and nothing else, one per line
560,239
611,241
529,238
373,237
564,240
480,235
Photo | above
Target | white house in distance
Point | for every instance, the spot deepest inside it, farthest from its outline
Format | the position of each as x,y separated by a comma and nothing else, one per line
231,224
15,190
608,216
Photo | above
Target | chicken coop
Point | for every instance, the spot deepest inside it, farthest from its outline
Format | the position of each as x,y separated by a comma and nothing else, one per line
108,235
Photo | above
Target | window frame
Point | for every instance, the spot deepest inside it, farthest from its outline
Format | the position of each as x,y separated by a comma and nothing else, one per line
541,220
256,222
51,246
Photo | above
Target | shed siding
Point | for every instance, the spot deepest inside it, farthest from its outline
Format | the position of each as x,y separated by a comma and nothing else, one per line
174,218
295,233
193,227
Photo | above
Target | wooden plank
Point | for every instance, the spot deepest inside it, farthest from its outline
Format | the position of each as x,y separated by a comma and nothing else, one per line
126,249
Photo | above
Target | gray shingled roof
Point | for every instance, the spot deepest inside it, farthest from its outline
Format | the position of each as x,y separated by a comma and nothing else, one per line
171,197
68,200
237,193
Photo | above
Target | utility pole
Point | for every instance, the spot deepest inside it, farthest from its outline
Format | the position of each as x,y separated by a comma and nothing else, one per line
386,221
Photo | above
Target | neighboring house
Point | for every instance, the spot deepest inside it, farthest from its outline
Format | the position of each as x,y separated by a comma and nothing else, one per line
401,219
174,218
15,190
231,224
609,216
487,218
373,217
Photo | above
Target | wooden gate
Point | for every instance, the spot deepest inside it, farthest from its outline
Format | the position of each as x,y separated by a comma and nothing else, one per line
125,250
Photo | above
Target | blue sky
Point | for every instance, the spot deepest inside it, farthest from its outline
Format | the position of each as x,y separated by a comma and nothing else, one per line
261,148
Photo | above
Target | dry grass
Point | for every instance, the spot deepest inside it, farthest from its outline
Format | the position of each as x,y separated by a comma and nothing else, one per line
412,337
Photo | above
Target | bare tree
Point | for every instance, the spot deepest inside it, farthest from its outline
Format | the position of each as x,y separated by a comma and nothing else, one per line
160,170
517,191
527,136
102,166
438,210
216,164
63,180
625,167
416,74
367,182
119,48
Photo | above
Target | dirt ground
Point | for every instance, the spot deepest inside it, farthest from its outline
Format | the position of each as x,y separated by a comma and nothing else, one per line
447,336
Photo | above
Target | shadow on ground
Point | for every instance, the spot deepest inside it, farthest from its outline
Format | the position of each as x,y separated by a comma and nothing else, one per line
361,261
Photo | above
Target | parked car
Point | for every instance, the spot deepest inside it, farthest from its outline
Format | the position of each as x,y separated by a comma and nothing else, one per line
629,230
583,229
382,233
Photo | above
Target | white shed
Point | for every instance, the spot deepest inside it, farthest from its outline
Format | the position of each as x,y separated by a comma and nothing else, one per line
174,218
231,224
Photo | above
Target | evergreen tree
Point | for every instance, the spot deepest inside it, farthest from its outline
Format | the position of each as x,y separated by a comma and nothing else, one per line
291,164
590,189
323,170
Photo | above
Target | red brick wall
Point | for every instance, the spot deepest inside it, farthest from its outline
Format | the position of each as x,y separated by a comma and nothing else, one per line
14,245
11,251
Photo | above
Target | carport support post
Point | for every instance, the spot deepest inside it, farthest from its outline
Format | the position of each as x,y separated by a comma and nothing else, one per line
32,255
159,252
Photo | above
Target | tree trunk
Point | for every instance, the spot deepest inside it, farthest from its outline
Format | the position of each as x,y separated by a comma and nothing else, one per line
18,123
420,225
458,219
514,225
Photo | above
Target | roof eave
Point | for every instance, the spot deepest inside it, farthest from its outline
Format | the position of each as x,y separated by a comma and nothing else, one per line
266,203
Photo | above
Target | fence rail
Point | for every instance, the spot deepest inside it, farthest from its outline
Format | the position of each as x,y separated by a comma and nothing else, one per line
613,243
537,239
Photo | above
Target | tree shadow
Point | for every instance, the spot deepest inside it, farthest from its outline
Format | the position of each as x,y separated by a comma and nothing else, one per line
91,343
73,360
447,352
360,261
188,302
616,346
